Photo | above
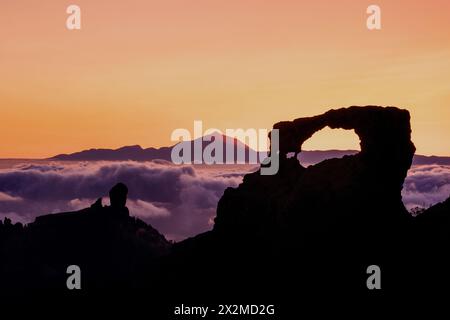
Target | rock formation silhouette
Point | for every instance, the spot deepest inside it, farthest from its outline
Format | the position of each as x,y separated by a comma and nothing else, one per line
351,188
319,228
314,229
113,249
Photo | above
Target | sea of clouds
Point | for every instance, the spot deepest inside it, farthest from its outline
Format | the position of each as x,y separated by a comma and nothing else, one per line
180,201
426,185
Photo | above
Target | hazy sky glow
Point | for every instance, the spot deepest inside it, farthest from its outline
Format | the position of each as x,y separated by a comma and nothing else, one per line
139,69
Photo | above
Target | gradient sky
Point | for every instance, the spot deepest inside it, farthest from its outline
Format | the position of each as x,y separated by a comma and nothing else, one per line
139,69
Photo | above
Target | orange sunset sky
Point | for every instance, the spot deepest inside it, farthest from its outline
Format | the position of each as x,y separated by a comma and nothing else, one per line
137,70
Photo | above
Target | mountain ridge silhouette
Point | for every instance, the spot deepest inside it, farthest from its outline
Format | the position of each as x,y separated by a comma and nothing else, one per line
137,153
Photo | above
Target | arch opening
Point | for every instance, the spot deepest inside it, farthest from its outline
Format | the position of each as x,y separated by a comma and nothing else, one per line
329,143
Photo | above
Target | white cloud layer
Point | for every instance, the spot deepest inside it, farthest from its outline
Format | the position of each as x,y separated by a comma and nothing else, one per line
180,201
426,185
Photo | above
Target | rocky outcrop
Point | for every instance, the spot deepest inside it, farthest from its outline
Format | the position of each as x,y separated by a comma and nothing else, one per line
113,250
334,196
345,213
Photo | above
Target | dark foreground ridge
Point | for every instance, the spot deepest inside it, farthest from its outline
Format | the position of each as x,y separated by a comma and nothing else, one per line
113,249
313,230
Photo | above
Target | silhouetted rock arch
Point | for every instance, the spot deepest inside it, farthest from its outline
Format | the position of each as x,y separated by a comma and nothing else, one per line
384,133
379,130
337,190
